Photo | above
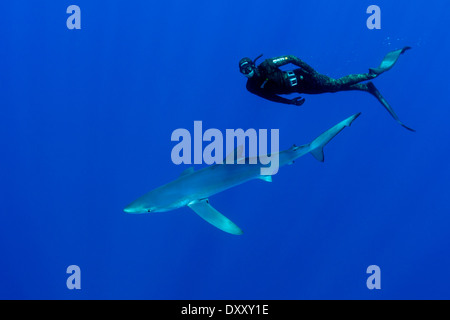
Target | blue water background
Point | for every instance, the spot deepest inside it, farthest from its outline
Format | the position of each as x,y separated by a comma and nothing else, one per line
85,129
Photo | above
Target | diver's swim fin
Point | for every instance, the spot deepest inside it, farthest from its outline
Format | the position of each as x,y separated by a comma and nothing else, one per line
388,62
374,91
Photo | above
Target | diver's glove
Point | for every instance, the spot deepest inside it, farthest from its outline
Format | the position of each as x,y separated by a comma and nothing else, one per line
298,101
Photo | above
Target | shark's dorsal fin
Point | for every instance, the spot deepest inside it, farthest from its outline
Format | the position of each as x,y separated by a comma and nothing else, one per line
234,156
318,154
187,171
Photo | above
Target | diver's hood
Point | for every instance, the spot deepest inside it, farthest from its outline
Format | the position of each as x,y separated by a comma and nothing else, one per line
247,66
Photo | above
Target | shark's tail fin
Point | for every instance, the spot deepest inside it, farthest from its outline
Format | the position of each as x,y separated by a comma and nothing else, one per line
316,146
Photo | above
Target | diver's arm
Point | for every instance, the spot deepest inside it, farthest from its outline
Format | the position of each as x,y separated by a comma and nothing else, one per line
261,92
276,98
283,60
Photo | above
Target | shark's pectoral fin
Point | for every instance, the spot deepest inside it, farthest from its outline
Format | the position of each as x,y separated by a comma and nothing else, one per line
211,215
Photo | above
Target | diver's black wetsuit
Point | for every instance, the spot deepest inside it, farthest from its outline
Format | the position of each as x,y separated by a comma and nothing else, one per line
269,81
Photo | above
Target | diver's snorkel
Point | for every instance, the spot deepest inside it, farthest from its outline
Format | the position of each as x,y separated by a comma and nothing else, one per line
254,61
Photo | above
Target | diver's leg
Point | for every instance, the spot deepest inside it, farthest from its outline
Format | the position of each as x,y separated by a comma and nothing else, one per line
320,83
315,83
359,87
353,79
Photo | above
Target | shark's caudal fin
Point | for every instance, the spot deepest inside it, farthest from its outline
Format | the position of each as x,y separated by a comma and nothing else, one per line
316,146
211,215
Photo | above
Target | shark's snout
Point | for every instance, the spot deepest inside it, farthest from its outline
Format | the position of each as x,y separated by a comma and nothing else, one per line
128,210
134,209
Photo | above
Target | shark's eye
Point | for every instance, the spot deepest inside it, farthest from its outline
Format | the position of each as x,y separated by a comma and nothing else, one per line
148,210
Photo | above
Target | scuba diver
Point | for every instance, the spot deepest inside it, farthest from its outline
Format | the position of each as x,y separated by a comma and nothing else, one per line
268,81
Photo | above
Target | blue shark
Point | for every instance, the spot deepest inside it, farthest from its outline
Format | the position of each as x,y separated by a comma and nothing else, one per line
193,188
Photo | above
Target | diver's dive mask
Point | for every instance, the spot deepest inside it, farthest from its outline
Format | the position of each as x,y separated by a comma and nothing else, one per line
247,67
